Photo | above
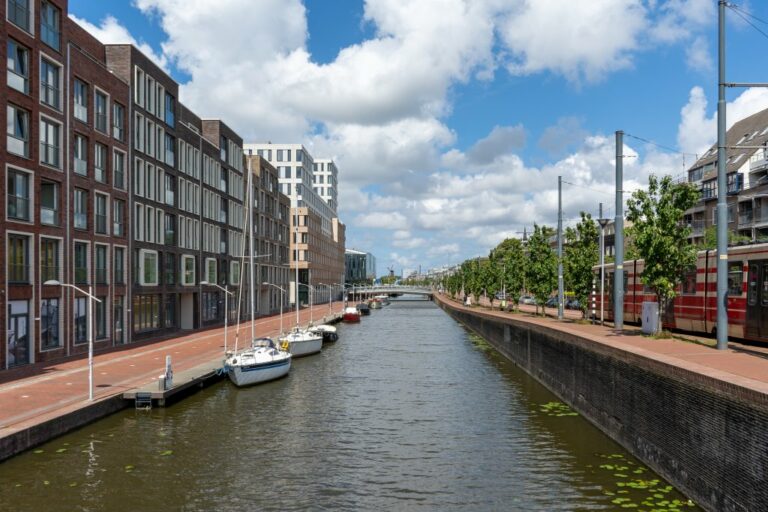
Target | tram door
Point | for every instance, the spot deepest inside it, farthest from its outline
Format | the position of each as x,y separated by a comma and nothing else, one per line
756,323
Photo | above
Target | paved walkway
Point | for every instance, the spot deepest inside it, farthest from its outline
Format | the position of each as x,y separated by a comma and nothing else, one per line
37,393
741,364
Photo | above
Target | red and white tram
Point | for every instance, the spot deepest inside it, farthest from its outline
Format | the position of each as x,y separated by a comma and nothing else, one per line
695,307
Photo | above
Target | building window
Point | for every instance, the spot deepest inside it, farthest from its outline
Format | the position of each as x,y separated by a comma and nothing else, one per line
18,13
170,190
101,264
170,268
100,214
18,195
81,155
148,267
49,324
117,315
118,121
146,312
170,110
81,320
49,143
170,230
138,135
210,270
100,107
118,217
118,170
169,316
234,273
100,162
18,259
49,203
188,270
119,265
18,66
210,306
18,131
50,91
223,147
170,150
49,260
101,317
81,209
81,263
81,101
50,23
735,278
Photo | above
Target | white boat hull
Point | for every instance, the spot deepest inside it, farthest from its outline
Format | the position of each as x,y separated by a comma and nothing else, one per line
263,372
302,345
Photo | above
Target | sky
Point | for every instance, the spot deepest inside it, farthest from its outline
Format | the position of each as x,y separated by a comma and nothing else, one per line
451,120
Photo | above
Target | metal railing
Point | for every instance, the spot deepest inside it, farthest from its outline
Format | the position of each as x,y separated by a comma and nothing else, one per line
81,275
49,273
101,223
49,154
49,94
18,207
745,218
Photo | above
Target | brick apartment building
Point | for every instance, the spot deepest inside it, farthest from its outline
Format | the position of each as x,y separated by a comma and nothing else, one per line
113,184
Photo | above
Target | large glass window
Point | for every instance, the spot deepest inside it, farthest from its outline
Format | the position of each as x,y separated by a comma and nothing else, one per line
18,66
148,270
210,306
18,195
81,262
188,269
81,100
50,91
100,106
169,273
170,150
50,24
100,162
170,110
49,260
118,121
18,13
49,143
170,230
81,209
49,324
117,315
170,190
119,265
17,125
18,259
49,203
81,155
81,320
169,315
146,312
118,170
118,217
101,264
210,270
735,278
100,312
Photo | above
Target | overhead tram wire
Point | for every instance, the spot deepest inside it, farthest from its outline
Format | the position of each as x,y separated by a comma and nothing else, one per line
743,15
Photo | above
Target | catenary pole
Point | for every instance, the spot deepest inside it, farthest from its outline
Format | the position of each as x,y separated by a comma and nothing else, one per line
722,205
560,291
618,275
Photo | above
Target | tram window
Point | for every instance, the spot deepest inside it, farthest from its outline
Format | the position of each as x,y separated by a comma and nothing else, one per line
626,280
689,281
765,285
752,288
735,278
609,282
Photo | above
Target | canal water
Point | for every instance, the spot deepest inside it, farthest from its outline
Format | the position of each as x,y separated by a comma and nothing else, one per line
407,411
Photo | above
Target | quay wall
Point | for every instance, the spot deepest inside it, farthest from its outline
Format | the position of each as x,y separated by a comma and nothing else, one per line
706,436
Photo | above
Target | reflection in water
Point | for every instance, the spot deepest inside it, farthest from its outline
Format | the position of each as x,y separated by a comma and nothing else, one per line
406,411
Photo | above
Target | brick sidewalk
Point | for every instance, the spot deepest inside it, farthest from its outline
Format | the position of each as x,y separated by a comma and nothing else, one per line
741,364
46,391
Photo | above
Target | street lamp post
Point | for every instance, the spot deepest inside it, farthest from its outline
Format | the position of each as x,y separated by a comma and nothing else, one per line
330,297
227,293
310,291
91,298
282,291
603,222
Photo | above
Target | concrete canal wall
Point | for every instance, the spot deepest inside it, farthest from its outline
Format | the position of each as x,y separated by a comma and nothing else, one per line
706,436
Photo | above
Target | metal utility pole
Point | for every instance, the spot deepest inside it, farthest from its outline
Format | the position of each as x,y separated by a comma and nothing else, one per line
602,221
560,291
618,274
722,205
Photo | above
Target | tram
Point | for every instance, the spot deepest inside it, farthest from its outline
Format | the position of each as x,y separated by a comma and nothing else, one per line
695,307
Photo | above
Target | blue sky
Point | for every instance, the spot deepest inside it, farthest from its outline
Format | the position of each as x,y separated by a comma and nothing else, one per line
451,120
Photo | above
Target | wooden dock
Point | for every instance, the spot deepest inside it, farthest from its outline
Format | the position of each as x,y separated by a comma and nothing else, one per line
184,382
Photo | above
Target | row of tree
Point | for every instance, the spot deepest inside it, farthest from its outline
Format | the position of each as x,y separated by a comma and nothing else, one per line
657,235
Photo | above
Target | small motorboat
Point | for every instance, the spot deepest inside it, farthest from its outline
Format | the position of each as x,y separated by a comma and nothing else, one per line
301,343
351,314
384,299
328,332
374,303
363,309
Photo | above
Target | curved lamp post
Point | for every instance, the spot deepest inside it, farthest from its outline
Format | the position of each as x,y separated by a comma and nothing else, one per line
227,293
282,291
91,298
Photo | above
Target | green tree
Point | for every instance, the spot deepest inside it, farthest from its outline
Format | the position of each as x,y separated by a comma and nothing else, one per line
541,270
660,236
710,238
580,255
510,261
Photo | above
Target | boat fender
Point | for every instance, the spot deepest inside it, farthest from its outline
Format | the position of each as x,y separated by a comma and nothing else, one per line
285,345
234,361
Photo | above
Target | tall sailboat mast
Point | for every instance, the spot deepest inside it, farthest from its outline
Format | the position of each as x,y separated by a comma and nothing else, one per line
296,253
249,197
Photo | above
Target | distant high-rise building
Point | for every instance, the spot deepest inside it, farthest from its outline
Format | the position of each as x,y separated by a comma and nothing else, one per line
360,266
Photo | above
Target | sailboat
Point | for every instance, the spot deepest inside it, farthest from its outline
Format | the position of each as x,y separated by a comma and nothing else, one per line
301,342
263,360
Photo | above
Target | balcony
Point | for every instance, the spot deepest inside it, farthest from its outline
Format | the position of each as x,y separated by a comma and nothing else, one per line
697,227
759,161
761,216
745,218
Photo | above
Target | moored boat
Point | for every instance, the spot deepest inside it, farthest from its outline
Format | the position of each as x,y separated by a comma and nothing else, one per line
374,303
364,309
384,299
328,332
262,362
301,343
351,314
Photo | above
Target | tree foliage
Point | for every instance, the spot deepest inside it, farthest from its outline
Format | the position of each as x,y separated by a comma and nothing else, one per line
541,271
710,238
660,236
581,253
510,263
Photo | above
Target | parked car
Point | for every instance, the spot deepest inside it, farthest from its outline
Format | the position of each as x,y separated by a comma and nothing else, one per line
501,296
551,302
572,304
527,299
